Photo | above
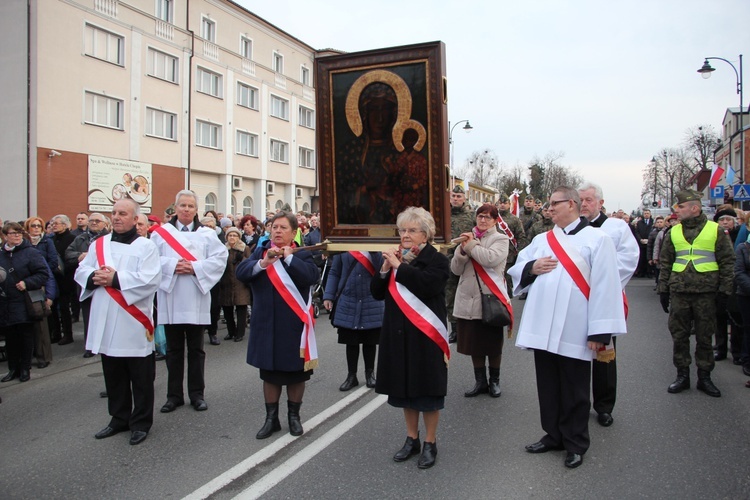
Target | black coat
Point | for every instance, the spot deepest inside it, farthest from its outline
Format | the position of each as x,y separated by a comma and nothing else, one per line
28,266
411,365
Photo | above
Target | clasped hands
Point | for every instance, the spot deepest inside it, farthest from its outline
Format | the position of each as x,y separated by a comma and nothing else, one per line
104,276
391,260
184,266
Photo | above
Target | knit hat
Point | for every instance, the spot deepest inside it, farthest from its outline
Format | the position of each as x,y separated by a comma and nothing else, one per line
225,222
233,230
727,212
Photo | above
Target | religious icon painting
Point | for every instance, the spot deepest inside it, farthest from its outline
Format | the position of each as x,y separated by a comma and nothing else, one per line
382,124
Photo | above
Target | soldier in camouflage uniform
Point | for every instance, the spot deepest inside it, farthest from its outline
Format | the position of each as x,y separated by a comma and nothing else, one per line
517,235
528,215
541,226
697,271
462,221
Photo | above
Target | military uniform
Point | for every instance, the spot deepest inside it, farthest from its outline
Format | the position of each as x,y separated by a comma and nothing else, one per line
540,227
516,228
529,217
691,275
462,221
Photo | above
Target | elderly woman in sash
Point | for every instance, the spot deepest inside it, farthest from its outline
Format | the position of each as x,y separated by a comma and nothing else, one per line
481,258
414,352
281,341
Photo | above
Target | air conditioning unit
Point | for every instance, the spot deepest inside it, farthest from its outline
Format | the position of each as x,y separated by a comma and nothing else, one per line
236,183
299,192
270,188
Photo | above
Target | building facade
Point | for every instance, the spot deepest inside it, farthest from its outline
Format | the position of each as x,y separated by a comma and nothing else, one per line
142,98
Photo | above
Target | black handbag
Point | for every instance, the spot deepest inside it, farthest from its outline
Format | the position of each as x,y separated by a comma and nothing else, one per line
494,312
36,304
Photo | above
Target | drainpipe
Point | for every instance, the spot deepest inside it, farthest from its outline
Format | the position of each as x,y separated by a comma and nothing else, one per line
190,90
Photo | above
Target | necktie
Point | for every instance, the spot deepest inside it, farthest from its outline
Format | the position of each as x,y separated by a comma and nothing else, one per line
185,229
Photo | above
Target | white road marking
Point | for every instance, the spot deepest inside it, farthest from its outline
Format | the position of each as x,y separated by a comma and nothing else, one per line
252,461
310,451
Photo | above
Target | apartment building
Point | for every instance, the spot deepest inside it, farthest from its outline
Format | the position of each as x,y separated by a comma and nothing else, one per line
142,98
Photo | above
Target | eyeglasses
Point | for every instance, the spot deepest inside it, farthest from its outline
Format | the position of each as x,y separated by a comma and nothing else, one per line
553,203
409,230
484,217
97,221
35,225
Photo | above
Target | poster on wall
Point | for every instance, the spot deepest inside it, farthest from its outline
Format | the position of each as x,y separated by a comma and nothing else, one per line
112,179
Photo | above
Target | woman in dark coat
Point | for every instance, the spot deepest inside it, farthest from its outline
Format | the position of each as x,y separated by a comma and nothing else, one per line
358,315
413,361
274,343
34,227
233,294
29,272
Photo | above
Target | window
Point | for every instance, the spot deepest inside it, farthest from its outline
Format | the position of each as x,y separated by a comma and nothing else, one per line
162,65
207,134
161,124
246,47
279,107
306,117
247,143
208,29
247,96
233,205
210,202
279,204
306,158
278,62
279,151
209,82
165,10
304,76
104,45
103,110
247,205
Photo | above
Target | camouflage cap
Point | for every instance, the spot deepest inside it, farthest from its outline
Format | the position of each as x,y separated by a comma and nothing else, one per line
688,195
170,210
503,198
458,189
529,197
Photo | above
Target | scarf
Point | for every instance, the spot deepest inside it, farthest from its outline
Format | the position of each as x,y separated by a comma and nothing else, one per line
240,245
478,233
409,254
35,239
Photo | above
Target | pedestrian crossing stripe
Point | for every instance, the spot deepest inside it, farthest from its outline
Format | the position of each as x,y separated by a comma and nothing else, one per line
740,192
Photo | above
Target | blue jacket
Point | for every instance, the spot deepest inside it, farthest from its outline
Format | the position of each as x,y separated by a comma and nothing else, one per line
46,247
29,266
356,309
275,331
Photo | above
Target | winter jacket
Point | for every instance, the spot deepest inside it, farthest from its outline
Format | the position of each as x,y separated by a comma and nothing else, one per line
232,292
742,270
28,266
80,245
356,309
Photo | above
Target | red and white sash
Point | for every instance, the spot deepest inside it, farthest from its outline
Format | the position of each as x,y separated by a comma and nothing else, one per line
172,237
284,286
496,284
420,315
103,258
571,260
364,259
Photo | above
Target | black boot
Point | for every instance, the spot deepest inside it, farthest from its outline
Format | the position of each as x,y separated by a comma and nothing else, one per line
272,423
453,336
706,385
682,382
480,387
351,381
370,378
411,447
12,374
429,453
295,426
494,382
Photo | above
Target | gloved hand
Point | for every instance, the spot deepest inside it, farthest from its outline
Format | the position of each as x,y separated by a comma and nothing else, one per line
664,299
721,302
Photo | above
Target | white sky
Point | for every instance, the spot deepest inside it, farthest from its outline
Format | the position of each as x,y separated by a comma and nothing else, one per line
609,84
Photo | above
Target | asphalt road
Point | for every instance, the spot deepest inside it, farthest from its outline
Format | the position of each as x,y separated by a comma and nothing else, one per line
661,445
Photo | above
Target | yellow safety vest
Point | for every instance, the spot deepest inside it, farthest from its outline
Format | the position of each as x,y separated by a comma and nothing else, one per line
701,253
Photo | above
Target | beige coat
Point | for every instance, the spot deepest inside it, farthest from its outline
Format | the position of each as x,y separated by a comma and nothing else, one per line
490,251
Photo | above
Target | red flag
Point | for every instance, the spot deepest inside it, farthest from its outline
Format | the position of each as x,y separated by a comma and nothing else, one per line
716,173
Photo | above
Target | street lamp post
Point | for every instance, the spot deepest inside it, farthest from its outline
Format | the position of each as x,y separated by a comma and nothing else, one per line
705,72
654,165
467,128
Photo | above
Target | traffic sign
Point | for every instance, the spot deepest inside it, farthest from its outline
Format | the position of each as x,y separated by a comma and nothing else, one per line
718,192
742,192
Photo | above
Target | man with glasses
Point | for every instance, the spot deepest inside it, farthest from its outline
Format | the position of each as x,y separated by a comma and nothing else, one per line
75,253
573,309
62,321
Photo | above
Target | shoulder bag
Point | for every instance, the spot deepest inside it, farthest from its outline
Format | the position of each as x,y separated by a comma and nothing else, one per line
36,301
494,312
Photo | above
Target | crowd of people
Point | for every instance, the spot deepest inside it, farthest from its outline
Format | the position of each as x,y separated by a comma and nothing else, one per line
129,277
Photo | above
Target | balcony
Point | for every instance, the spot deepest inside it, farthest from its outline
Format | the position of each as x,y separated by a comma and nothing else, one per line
164,30
307,93
211,50
106,7
280,80
248,67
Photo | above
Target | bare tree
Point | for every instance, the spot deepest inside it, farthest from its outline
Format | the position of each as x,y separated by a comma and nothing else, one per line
700,144
548,173
512,178
484,167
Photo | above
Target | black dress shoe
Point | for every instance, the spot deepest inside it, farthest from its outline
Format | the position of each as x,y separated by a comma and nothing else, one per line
605,419
370,380
42,364
573,460
13,374
351,381
540,447
24,375
429,454
718,356
239,339
229,336
214,340
200,405
159,356
137,437
170,406
107,432
411,447
453,337
736,361
88,354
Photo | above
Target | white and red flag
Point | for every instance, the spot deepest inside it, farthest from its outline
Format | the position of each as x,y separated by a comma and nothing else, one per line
716,173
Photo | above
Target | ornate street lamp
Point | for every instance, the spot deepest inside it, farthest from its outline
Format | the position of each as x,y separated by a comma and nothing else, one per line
468,128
